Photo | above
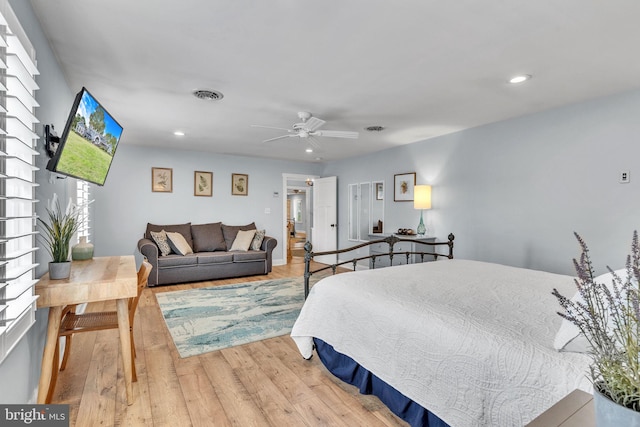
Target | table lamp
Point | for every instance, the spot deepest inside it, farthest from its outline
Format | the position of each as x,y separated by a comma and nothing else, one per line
422,201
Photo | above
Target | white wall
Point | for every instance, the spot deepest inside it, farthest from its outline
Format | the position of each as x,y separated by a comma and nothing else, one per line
514,192
126,203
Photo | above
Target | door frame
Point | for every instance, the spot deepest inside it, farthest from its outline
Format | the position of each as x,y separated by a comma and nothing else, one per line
285,235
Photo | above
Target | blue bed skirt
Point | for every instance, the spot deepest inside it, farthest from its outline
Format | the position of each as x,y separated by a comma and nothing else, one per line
349,371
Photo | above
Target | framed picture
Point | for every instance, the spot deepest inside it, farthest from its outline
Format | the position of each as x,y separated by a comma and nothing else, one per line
379,191
162,180
203,183
403,184
239,184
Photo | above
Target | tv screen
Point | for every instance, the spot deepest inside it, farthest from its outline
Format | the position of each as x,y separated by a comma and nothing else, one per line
88,142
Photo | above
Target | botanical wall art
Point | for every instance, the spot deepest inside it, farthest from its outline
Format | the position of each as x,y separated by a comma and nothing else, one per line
203,183
162,180
239,184
403,184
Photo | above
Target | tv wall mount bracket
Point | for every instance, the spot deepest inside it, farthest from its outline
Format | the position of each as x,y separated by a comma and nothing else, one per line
51,140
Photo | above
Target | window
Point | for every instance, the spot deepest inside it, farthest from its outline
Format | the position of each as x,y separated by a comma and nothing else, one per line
17,181
83,191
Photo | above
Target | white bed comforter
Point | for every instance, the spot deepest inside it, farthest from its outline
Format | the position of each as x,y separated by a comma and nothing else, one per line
470,341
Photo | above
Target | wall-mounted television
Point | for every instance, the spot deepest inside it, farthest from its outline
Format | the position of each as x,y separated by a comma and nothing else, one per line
88,143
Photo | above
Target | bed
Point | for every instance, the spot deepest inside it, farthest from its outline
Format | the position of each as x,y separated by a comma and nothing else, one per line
450,342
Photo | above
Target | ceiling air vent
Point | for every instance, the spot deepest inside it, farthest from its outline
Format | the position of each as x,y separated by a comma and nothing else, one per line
374,128
208,95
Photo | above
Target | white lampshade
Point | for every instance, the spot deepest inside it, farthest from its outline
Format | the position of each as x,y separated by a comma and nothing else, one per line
422,197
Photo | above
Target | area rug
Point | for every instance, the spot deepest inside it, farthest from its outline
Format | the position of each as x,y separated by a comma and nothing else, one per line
208,319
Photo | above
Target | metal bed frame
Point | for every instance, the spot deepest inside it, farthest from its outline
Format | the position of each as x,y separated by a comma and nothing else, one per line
390,240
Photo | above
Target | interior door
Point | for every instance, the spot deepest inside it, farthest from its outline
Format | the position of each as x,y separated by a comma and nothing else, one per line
325,218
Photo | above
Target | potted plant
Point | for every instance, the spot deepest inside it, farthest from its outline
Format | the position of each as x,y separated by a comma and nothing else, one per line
57,234
606,309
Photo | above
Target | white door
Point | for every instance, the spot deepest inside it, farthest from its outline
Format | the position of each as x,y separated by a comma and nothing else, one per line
325,218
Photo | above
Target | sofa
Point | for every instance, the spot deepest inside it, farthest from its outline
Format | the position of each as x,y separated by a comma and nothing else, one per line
182,253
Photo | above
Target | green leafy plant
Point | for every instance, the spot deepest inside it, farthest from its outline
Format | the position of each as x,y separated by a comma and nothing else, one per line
609,318
57,233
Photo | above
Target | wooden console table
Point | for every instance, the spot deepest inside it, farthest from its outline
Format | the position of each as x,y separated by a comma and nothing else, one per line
97,279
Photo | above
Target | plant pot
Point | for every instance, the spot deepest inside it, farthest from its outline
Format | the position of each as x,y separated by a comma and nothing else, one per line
59,270
82,250
612,414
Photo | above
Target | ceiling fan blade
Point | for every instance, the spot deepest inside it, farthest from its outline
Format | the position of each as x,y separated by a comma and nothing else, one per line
336,134
313,142
271,127
278,137
313,123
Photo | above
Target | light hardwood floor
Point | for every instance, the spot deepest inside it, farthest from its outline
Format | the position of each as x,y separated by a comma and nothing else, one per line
266,383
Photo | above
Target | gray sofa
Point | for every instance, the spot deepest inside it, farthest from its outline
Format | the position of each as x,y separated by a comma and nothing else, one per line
210,259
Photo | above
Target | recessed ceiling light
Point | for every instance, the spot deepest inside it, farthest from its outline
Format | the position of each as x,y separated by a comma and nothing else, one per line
309,150
178,133
521,78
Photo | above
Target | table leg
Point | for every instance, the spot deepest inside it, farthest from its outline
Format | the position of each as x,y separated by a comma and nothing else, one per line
48,353
122,306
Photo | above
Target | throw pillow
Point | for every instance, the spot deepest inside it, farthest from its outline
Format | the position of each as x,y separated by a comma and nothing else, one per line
243,240
184,229
160,237
178,243
229,232
257,240
208,237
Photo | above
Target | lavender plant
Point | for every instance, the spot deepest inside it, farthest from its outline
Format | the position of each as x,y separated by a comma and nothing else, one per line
609,318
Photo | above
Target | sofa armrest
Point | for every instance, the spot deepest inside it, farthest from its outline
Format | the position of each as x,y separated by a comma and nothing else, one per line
268,244
150,250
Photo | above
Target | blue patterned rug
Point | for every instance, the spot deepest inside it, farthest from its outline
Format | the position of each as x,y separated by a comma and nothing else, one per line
208,319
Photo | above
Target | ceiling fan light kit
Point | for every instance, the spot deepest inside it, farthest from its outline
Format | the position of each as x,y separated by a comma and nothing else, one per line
308,129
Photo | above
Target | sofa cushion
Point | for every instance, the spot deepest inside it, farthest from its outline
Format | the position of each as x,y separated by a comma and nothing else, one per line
243,240
184,229
175,260
208,237
249,256
229,232
214,257
161,239
178,244
256,244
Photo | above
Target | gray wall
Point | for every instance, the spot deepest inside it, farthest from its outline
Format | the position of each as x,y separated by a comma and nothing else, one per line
126,203
514,192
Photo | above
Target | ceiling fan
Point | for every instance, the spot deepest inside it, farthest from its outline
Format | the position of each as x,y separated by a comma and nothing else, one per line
309,128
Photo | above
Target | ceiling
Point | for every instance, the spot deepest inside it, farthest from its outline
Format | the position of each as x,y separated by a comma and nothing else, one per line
420,68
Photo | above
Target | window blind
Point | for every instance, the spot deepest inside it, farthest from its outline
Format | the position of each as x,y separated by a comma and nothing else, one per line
17,181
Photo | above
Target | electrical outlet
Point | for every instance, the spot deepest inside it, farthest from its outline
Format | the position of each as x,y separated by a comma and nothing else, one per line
624,177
